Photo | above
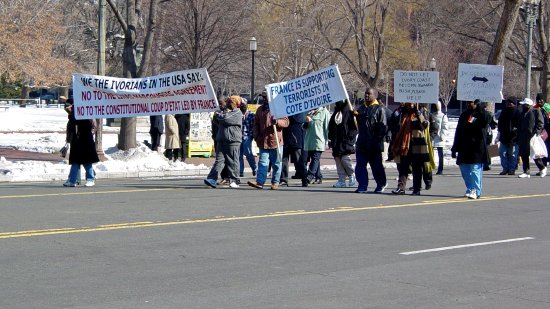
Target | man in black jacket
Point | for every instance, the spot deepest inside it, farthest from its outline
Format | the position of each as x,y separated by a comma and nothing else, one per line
508,123
293,137
183,128
156,130
372,127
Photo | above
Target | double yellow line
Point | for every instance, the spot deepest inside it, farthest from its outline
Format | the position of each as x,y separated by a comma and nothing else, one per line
134,225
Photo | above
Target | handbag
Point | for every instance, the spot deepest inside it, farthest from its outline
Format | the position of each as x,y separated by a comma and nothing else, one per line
63,150
493,150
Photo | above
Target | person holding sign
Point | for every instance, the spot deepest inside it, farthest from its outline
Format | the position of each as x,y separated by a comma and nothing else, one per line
371,121
410,148
228,143
269,138
469,143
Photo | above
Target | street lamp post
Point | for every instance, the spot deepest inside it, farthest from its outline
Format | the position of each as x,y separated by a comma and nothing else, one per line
433,64
253,47
531,14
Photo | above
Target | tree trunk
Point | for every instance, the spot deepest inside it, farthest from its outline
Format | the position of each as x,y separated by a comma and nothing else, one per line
544,46
503,36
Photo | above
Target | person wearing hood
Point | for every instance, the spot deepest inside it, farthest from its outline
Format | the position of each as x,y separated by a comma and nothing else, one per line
342,133
544,108
228,143
469,143
508,123
439,135
531,124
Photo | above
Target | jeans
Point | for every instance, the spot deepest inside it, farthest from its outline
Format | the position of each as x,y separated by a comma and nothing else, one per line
75,172
246,151
314,170
374,159
508,156
473,177
267,156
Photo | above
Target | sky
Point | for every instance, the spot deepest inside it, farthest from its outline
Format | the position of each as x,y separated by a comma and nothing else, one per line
43,130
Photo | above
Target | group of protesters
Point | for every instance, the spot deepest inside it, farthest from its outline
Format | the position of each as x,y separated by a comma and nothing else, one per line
414,132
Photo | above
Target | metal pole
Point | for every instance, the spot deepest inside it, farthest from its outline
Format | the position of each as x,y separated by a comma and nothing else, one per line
529,50
101,71
252,80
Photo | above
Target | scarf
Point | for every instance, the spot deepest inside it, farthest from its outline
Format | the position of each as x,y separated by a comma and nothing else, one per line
403,139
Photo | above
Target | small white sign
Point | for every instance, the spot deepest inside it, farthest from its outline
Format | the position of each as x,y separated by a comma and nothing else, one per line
480,81
416,86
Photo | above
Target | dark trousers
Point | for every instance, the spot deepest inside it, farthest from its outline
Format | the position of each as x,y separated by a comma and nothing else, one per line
417,171
182,152
441,160
155,141
314,170
293,155
372,157
525,159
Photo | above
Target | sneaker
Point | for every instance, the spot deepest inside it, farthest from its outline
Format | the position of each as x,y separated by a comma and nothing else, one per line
361,190
255,185
380,189
233,185
352,182
543,172
210,182
274,186
428,187
69,184
339,184
89,183
398,191
524,175
417,193
283,183
472,195
503,173
224,182
318,181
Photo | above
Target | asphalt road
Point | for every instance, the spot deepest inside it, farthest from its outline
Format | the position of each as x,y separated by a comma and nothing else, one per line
173,243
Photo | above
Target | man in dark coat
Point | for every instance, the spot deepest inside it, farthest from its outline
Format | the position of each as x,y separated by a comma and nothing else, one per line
183,128
293,149
342,133
372,128
470,144
156,130
508,124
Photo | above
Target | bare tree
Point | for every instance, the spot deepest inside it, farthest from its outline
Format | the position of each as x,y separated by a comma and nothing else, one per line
134,32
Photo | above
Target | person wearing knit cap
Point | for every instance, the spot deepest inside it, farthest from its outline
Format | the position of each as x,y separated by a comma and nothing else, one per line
531,124
228,143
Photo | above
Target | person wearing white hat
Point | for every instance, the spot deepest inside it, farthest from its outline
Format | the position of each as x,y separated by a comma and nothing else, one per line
531,123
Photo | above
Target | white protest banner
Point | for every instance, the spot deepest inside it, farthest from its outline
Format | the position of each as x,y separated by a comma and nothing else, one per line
179,92
480,81
416,86
305,93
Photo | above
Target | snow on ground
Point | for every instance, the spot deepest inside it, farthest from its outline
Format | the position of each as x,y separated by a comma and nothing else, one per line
43,130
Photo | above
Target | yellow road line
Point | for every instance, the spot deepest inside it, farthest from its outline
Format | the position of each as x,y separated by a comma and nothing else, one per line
85,193
133,225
